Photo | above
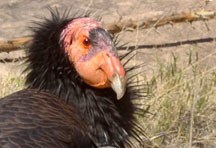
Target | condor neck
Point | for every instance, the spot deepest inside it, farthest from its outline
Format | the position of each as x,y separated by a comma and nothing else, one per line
99,107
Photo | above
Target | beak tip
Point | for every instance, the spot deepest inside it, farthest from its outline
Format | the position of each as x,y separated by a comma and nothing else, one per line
120,95
119,86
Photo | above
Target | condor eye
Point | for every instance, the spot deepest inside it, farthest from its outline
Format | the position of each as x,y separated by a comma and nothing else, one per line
86,42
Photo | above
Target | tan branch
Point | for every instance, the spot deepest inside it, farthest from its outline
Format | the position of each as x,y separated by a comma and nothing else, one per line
116,27
161,20
15,44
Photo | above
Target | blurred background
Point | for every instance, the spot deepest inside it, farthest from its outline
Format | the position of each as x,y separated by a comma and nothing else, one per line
174,39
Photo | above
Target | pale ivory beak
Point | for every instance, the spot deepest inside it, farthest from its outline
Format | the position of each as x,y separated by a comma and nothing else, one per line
118,84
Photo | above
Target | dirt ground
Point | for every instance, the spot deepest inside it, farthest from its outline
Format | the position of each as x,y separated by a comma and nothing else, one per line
17,15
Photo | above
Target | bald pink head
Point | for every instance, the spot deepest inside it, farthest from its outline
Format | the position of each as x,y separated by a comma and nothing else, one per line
77,26
91,51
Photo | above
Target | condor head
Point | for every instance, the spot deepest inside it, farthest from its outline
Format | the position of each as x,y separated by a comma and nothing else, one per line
91,51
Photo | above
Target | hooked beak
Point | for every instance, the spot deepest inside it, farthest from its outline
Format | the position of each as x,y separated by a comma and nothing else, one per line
102,71
118,84
115,74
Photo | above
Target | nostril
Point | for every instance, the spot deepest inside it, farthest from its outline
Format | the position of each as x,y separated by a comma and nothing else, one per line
108,55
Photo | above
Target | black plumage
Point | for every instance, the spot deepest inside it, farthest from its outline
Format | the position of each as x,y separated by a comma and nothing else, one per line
29,118
112,122
98,116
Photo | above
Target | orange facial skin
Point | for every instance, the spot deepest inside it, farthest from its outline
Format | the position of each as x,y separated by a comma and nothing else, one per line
99,71
92,54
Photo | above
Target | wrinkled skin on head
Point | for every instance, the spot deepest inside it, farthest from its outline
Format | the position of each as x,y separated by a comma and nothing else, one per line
91,50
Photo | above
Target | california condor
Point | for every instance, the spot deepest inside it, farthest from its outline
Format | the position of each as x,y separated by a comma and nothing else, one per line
75,61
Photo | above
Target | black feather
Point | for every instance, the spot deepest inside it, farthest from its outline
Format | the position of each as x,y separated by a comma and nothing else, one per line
37,119
111,122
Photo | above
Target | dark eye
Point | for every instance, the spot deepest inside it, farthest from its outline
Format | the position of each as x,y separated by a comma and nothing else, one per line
86,41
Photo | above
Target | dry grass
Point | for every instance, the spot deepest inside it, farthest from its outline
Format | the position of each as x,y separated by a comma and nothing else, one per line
10,84
181,99
182,104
